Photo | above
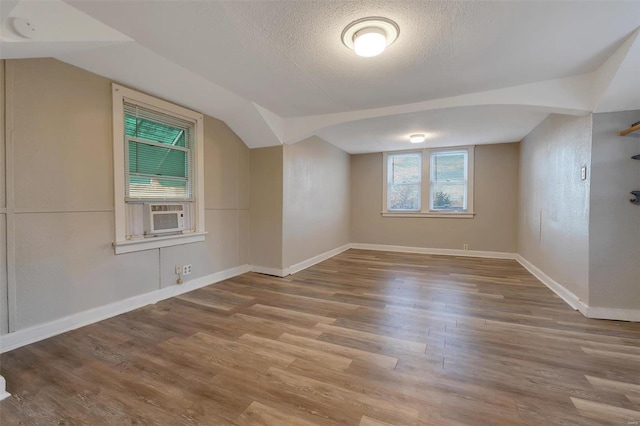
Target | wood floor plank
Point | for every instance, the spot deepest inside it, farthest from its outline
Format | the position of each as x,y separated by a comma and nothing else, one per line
605,412
631,358
625,388
368,421
374,359
291,315
260,414
374,338
352,401
308,353
366,337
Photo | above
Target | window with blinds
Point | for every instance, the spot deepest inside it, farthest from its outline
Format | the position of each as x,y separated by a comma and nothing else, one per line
159,156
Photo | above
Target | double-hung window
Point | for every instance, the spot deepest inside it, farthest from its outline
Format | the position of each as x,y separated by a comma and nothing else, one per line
434,182
159,160
158,156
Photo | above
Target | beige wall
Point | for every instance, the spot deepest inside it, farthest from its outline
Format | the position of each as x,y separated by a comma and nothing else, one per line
316,199
614,225
492,229
226,201
266,197
553,231
64,220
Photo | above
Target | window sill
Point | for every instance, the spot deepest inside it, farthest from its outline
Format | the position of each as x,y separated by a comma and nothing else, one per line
129,246
465,215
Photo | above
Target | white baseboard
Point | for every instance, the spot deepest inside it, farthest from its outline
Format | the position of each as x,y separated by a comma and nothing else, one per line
575,302
613,314
301,265
566,295
437,251
269,271
317,259
3,389
39,332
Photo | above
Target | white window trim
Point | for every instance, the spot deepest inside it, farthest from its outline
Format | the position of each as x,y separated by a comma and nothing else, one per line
121,243
425,188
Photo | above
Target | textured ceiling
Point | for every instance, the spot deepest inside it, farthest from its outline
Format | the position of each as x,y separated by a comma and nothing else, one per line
288,57
277,71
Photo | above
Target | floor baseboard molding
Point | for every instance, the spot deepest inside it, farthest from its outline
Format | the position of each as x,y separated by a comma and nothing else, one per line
613,314
269,271
436,251
562,292
276,272
39,332
3,389
317,259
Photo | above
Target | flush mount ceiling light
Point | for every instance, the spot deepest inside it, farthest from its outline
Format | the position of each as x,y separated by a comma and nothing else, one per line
370,36
417,138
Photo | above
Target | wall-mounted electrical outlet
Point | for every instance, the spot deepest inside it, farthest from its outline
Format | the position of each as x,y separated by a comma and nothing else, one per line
465,246
178,269
186,269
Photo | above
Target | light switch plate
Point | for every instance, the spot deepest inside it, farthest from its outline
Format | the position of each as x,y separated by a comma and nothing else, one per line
583,173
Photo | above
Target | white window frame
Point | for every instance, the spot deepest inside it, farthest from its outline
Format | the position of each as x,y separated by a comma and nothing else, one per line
425,192
122,242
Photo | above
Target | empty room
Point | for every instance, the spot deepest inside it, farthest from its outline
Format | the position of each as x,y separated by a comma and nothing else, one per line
319,212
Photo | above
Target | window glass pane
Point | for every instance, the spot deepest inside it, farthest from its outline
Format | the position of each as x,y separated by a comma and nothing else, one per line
156,132
144,187
449,180
156,172
405,168
448,196
155,160
404,181
404,197
448,166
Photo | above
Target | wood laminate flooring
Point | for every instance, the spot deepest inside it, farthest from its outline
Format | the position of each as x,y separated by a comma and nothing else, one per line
365,338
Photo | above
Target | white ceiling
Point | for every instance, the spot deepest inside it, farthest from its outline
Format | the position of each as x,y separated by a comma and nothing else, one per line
277,72
78,33
473,125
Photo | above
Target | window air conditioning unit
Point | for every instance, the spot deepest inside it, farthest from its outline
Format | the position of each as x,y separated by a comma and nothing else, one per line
163,218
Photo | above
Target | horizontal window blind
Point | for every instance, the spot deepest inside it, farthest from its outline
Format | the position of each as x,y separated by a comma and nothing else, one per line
159,163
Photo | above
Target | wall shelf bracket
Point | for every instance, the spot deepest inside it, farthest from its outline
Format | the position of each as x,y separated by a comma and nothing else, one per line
634,128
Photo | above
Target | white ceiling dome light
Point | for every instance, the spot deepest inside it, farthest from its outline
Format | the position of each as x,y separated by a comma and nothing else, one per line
370,36
417,138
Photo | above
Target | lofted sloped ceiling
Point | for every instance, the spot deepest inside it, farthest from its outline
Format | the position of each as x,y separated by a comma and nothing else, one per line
277,71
